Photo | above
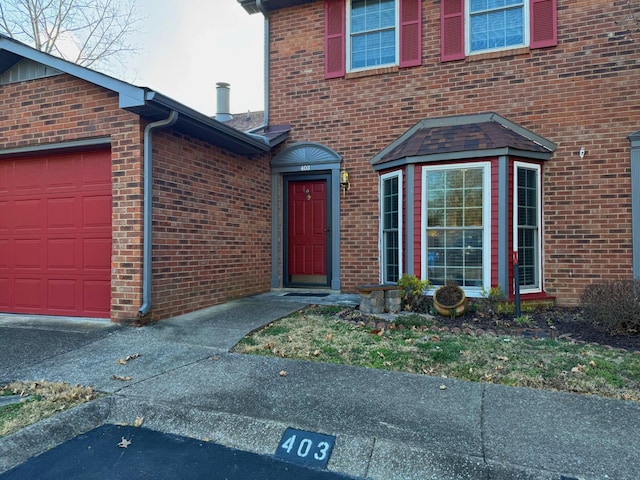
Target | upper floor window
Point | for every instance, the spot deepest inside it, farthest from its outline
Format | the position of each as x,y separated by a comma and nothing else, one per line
361,34
475,26
495,24
372,33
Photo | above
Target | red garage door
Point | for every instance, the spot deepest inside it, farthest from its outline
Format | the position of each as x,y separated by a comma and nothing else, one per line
55,234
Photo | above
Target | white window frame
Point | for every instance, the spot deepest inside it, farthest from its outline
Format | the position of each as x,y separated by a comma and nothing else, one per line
529,166
486,221
348,40
467,31
381,245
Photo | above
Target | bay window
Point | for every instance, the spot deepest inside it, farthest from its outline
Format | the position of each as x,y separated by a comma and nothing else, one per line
456,231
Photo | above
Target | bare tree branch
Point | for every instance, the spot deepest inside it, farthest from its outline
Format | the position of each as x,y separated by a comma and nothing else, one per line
88,32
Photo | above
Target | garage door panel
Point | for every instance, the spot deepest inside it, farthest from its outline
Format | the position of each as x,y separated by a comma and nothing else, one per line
28,294
4,217
4,292
4,177
28,176
55,235
97,171
97,254
27,254
5,258
61,254
96,211
27,215
61,213
62,295
95,293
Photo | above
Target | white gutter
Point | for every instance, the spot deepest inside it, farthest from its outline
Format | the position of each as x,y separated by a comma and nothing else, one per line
147,207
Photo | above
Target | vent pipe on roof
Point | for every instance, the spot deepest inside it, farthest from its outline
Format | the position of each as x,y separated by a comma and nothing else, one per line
223,113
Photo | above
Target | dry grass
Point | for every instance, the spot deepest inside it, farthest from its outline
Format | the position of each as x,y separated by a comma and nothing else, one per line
318,334
40,400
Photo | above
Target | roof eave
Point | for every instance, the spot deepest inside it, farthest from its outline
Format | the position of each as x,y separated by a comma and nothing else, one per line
142,101
466,155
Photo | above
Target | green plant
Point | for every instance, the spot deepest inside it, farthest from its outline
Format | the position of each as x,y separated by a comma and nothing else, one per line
413,291
491,301
613,306
522,320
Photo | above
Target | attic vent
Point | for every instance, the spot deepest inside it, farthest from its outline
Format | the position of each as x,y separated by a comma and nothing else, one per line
26,69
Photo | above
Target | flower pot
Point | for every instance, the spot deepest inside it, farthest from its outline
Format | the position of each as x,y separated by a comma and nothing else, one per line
450,301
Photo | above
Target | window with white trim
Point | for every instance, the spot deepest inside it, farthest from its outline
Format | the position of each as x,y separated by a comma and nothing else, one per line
372,33
391,226
527,235
456,233
497,24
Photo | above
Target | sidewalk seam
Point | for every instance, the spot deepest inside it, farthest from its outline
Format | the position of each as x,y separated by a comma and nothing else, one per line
483,445
370,459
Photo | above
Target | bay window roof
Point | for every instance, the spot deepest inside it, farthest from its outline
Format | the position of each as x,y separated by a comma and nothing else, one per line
460,137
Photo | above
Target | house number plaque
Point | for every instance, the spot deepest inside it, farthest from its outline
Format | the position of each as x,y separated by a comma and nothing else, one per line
305,448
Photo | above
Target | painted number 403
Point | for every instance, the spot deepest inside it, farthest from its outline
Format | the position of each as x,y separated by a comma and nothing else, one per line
307,448
305,168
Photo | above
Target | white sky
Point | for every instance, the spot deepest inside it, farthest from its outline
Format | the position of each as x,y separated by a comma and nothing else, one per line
187,46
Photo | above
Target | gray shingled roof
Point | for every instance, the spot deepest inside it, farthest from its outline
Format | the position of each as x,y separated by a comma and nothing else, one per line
463,136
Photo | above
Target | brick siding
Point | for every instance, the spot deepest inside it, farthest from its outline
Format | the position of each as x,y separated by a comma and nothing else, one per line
212,241
582,93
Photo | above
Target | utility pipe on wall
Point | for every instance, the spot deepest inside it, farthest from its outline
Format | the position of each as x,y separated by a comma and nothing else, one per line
147,207
265,123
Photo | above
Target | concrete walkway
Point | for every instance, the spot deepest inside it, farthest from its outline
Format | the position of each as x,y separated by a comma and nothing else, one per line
387,425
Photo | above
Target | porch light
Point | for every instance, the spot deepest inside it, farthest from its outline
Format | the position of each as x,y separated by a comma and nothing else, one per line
344,180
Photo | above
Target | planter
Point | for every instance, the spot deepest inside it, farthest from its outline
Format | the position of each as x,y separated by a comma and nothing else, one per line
450,301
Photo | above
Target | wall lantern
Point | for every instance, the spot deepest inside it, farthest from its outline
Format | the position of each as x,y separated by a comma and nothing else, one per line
344,180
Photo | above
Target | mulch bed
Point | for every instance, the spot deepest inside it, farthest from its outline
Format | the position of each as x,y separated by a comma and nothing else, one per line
556,322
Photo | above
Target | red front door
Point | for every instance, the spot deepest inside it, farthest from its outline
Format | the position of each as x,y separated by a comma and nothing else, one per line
307,232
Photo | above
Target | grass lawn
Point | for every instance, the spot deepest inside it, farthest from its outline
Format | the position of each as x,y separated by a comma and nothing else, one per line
39,400
416,344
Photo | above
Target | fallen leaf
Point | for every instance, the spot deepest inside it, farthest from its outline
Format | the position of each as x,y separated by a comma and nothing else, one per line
121,378
138,422
329,336
381,332
283,373
502,359
215,357
593,364
435,338
269,345
443,387
381,355
316,353
578,369
124,443
123,361
290,338
387,364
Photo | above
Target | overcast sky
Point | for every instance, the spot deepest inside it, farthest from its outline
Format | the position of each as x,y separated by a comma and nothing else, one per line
187,46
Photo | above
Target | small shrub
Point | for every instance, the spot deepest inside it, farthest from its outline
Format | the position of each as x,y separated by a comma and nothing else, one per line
414,293
613,306
492,302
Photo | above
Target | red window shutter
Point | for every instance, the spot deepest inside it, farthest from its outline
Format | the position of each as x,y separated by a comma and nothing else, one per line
544,23
334,38
451,30
410,33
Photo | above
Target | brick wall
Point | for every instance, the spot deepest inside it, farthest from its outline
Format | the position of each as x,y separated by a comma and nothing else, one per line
211,231
61,109
582,93
212,225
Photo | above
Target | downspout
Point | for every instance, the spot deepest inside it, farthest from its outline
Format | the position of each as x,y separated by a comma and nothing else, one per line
265,123
147,207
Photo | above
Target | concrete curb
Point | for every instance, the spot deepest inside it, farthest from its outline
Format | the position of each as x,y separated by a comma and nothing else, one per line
50,432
